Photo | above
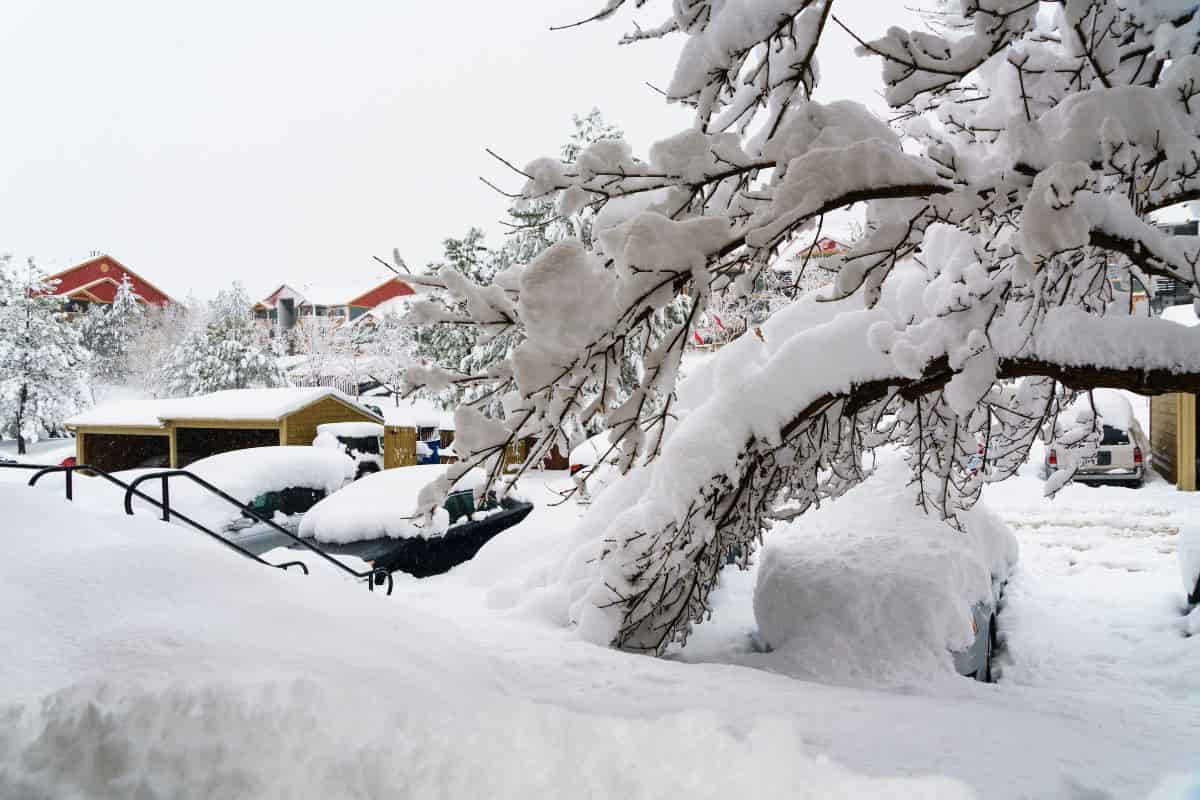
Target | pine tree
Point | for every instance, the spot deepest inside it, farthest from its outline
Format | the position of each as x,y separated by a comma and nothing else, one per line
110,332
42,360
226,353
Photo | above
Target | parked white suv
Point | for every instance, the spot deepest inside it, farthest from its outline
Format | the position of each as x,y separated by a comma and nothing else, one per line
1120,457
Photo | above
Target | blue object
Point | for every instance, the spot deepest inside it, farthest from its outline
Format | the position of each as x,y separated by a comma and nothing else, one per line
432,458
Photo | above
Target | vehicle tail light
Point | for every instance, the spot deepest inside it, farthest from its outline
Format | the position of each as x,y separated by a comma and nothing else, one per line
575,468
1137,455
1052,459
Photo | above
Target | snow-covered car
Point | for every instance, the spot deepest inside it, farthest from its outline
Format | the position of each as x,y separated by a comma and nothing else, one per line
375,519
590,476
870,587
1120,457
279,483
362,441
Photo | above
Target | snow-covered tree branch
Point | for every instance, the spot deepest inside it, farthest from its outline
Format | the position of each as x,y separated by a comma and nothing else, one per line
1030,143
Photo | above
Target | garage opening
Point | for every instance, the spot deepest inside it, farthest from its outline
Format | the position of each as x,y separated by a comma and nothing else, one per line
193,444
114,452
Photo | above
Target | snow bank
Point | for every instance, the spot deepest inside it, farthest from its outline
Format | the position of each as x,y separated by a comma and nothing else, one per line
211,676
871,588
383,504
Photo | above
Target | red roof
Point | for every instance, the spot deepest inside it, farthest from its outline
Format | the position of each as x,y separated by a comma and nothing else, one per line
392,287
96,280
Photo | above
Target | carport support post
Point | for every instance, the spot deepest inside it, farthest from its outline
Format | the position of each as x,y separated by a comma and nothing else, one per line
173,445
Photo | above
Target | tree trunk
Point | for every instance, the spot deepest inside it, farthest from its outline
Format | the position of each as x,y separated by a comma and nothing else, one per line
22,398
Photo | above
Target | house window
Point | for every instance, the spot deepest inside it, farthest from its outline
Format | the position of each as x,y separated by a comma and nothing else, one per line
356,312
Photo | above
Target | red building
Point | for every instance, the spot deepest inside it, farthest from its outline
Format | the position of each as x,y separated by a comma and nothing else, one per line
96,281
285,306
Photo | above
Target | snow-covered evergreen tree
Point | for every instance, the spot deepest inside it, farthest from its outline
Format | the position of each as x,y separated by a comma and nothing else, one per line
1032,140
43,364
111,332
225,353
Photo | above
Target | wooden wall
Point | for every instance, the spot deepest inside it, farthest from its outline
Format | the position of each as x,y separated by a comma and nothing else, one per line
399,447
1173,438
301,428
1164,429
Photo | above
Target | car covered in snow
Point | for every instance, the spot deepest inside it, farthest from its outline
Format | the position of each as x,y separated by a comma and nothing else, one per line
374,519
870,587
279,483
362,441
1120,457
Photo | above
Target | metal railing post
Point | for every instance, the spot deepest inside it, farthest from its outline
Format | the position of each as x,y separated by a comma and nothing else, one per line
166,500
70,492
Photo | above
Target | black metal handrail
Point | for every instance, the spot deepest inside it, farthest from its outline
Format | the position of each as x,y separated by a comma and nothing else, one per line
70,471
372,576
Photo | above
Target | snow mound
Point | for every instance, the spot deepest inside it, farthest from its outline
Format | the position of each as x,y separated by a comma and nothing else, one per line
212,676
383,504
871,589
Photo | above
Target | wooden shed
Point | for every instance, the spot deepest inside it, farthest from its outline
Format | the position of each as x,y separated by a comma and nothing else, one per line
174,433
1173,433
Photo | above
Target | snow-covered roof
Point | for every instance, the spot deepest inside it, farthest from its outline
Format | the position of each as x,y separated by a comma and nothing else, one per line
125,414
416,413
230,404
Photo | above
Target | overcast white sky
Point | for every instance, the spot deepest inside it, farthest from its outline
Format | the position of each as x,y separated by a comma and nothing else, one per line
282,141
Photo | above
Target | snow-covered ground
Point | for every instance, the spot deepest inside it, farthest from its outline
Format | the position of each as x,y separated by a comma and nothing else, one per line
151,661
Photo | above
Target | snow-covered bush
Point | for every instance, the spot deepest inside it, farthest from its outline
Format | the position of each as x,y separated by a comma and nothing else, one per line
1032,140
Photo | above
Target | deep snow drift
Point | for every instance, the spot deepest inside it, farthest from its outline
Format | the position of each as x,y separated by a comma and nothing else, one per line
152,660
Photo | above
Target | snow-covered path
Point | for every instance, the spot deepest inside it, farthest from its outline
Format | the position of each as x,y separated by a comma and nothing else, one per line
1096,605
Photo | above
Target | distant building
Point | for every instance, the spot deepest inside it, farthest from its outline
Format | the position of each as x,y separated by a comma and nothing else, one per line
284,307
95,281
1167,292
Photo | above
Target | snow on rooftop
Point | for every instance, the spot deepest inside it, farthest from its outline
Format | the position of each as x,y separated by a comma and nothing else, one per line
125,414
230,404
416,413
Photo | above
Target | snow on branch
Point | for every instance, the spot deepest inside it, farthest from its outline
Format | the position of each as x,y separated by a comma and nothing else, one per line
1031,141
